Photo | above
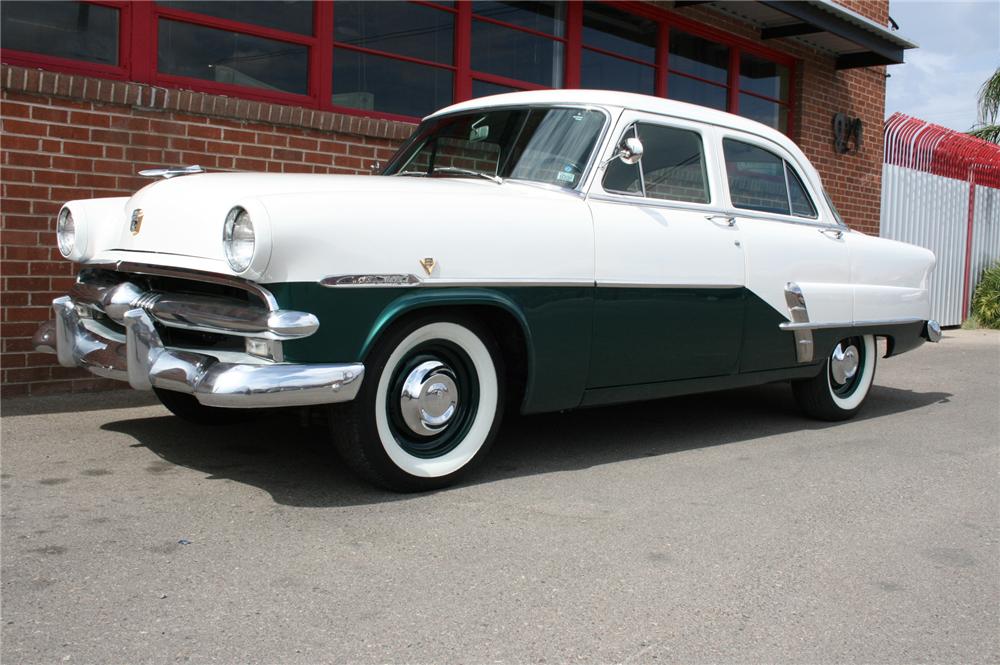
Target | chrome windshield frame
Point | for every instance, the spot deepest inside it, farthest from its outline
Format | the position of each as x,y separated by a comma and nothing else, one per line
592,158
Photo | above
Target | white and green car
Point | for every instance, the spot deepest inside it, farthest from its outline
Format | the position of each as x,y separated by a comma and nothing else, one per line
537,251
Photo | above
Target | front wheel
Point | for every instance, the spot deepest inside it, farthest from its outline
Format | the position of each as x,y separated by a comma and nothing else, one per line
429,408
838,392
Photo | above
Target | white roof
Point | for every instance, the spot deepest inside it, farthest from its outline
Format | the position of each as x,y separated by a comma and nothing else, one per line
621,100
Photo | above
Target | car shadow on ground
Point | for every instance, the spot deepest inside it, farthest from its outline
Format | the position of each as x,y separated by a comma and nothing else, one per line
292,459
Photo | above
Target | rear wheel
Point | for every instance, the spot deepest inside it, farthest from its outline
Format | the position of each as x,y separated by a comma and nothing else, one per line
429,408
838,392
190,409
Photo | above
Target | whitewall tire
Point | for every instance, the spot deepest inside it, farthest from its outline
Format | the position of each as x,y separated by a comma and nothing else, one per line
838,392
429,408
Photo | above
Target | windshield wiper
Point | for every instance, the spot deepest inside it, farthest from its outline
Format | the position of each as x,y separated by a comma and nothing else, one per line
454,169
417,173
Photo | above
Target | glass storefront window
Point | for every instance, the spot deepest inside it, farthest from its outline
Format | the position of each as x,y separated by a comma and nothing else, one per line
693,91
518,55
222,56
764,111
484,89
73,30
547,17
698,57
605,72
396,27
763,77
376,83
290,16
613,30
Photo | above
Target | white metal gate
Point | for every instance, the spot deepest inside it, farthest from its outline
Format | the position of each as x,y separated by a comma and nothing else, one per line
941,190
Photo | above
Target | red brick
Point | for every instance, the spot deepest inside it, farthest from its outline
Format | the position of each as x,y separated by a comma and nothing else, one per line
22,127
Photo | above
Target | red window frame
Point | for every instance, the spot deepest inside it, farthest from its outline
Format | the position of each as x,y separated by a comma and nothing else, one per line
139,30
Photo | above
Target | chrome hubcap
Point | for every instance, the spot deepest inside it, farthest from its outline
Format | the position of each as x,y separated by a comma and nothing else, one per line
429,398
844,363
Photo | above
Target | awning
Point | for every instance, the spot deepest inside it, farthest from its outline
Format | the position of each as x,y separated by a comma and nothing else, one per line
855,41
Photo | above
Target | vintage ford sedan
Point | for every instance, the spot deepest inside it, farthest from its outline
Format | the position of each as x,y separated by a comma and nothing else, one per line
539,251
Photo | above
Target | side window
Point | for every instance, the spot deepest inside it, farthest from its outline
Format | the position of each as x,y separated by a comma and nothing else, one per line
756,178
802,205
760,180
672,166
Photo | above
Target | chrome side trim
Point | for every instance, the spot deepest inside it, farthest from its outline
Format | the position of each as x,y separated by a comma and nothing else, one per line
846,324
651,285
141,359
800,315
370,280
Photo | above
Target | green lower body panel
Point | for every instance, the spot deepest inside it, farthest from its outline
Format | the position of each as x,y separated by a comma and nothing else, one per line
589,346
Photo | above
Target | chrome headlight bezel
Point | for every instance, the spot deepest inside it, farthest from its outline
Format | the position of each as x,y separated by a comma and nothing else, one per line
239,239
66,232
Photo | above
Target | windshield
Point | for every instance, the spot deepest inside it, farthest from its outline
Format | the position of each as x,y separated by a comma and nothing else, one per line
549,145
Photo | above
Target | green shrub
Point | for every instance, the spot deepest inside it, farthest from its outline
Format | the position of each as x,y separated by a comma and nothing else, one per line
986,299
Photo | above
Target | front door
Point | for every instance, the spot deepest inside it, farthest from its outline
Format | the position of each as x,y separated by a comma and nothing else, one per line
669,267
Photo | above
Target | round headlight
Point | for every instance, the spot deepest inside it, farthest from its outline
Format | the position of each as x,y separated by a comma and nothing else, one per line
65,232
238,239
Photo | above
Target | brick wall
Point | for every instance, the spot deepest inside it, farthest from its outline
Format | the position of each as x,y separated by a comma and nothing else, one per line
67,137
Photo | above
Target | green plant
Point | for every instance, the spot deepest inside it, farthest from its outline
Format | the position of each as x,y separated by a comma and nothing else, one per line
986,299
989,110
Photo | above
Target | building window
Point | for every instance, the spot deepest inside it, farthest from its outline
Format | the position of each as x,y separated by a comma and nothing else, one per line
619,50
71,30
401,60
518,43
224,56
393,57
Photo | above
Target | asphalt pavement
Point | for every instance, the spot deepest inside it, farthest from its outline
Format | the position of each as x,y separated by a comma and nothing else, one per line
719,528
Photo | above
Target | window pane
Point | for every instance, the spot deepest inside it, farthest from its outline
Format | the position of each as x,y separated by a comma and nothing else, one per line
515,54
63,29
673,164
802,205
698,57
290,15
613,30
397,27
232,57
756,177
608,73
541,16
685,89
376,83
763,77
770,113
483,89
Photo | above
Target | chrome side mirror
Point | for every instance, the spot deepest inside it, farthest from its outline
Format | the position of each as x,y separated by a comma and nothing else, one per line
630,150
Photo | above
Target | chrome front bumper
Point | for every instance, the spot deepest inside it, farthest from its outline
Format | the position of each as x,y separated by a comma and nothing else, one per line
140,358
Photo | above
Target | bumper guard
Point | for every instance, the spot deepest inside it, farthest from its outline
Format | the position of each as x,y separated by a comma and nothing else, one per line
140,358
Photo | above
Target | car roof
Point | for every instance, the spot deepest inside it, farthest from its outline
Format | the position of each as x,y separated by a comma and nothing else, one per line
621,100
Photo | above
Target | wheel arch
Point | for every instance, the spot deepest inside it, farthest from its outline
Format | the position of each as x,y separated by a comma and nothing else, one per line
501,314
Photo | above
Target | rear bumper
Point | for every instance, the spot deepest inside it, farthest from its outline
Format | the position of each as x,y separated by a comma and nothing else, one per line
236,381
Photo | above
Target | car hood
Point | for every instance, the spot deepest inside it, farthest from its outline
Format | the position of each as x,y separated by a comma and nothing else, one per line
184,216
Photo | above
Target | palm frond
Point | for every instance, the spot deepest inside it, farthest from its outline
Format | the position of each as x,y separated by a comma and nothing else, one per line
989,133
989,99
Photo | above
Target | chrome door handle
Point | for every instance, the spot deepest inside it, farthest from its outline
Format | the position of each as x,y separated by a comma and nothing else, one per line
833,233
730,221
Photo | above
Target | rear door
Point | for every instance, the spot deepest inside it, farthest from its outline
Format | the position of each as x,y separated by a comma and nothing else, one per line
788,238
669,267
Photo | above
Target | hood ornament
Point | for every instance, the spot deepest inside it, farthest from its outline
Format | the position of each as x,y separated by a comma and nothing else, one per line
171,172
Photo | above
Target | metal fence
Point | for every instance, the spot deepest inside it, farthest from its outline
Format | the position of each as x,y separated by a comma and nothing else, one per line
941,190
